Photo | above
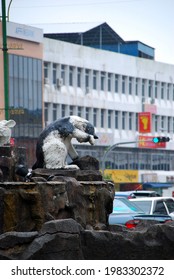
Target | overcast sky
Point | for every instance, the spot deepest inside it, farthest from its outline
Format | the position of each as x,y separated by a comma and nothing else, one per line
148,21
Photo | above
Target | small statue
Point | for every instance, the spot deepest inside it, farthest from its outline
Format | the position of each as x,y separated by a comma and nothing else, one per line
54,142
5,131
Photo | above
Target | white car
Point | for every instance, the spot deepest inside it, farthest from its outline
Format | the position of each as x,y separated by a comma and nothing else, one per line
156,205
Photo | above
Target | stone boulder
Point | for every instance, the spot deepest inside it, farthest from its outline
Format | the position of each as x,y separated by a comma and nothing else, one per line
57,240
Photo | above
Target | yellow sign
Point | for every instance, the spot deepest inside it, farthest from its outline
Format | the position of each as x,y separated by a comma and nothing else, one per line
16,111
122,176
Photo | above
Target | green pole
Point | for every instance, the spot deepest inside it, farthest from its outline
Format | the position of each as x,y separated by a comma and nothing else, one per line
5,60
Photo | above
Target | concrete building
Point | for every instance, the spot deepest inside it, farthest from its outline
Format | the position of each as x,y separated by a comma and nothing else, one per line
110,89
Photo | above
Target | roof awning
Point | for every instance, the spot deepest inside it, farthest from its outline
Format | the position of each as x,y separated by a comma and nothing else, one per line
157,185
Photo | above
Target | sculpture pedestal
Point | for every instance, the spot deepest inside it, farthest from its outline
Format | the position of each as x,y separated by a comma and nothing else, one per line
26,206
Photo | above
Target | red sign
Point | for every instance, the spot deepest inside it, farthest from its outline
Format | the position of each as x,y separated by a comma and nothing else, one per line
144,121
146,142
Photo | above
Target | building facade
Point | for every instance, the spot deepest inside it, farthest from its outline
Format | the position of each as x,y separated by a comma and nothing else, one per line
25,96
110,90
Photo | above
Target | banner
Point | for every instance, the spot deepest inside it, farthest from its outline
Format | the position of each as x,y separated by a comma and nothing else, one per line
122,176
146,142
144,122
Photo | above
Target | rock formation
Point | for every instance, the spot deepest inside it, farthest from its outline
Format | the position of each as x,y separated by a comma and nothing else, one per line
63,215
65,239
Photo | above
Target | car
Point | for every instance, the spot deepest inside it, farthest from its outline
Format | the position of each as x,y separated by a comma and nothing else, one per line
128,214
136,193
156,205
126,194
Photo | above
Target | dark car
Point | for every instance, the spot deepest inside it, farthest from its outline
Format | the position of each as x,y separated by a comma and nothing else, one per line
128,214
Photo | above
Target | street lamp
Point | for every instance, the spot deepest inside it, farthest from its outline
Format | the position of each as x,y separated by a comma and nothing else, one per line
112,148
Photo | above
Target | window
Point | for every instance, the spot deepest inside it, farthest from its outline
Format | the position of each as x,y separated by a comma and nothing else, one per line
70,75
168,91
71,110
169,123
130,120
136,121
123,84
162,90
116,83
170,205
156,89
79,111
79,71
109,81
123,120
63,73
45,69
136,86
87,113
150,88
25,95
94,79
130,85
46,112
143,88
116,119
102,117
54,112
102,80
160,208
156,123
95,117
162,122
109,118
54,73
63,111
87,78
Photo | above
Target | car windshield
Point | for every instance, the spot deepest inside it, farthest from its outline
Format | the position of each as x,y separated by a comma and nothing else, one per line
144,205
170,205
125,206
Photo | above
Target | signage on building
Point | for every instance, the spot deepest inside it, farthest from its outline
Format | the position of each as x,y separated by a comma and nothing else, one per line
24,32
147,142
122,176
144,122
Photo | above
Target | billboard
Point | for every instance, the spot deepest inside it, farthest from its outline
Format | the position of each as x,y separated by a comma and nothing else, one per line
122,176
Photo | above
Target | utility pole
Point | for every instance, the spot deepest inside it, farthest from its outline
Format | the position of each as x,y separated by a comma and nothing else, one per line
5,61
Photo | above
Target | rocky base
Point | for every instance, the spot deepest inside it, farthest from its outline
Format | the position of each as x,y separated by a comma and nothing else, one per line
63,215
68,240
